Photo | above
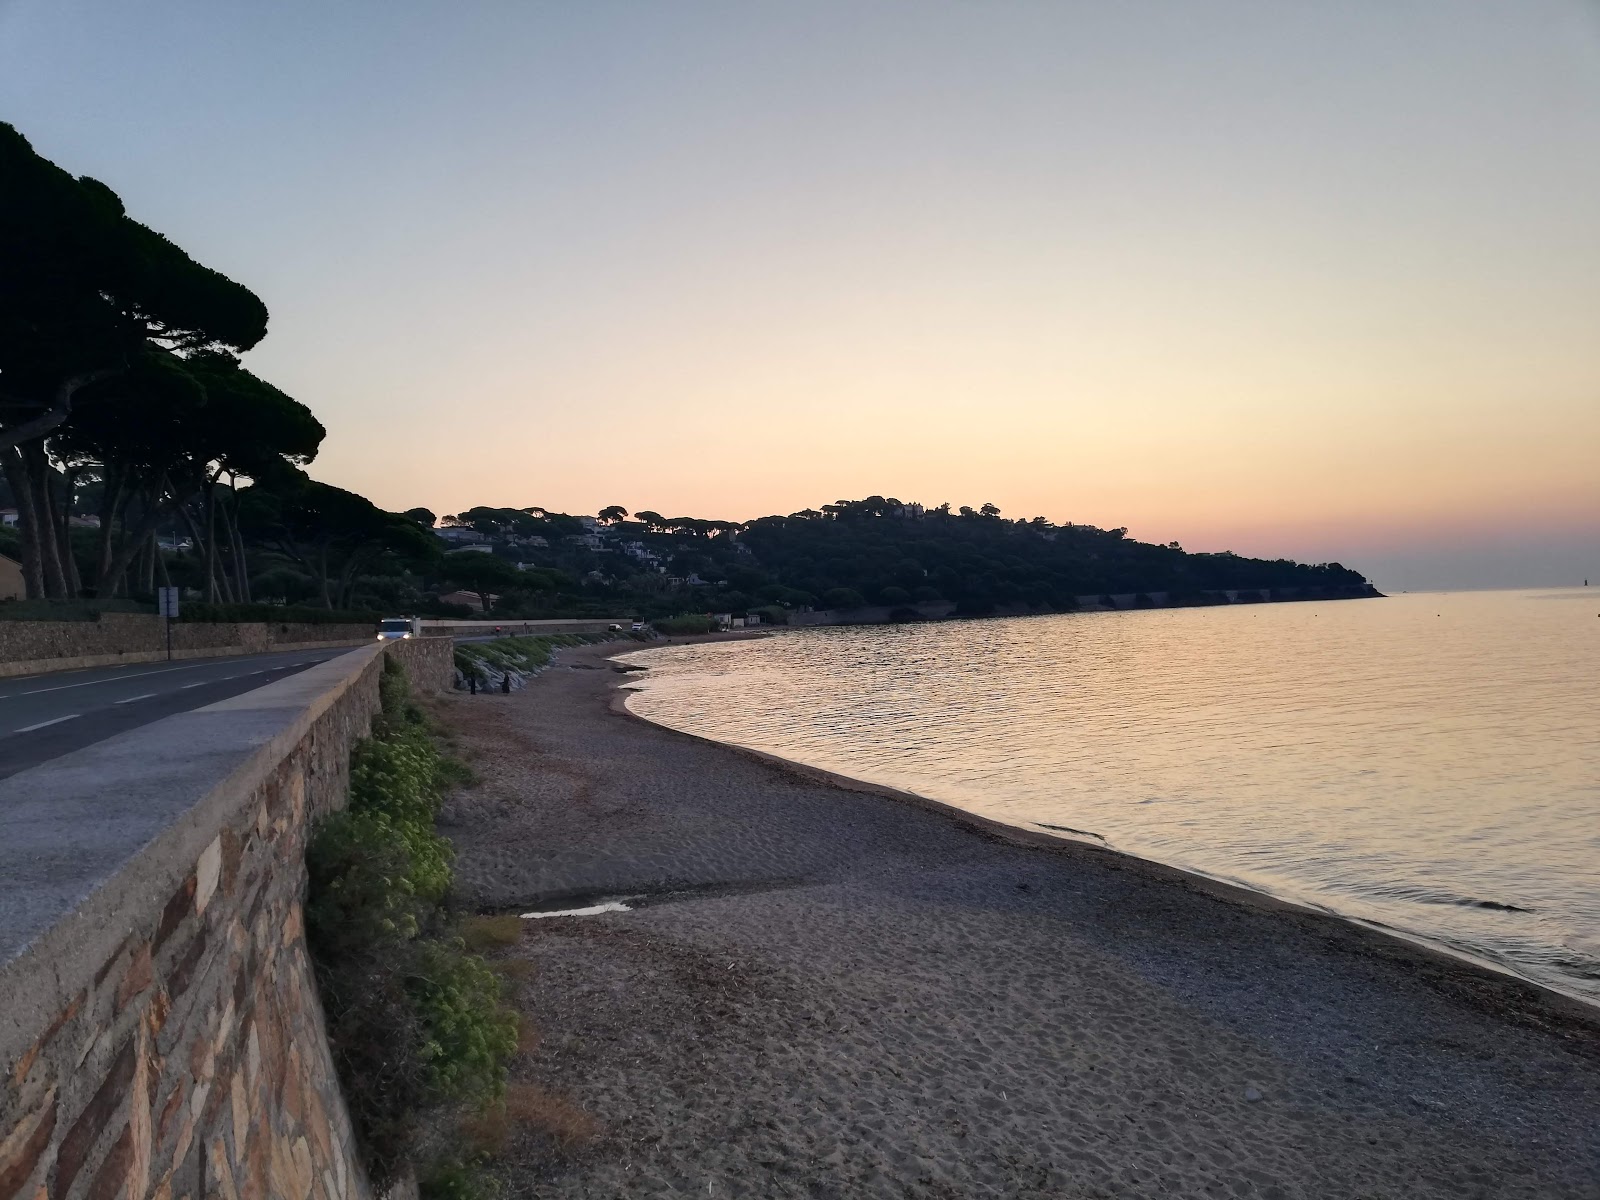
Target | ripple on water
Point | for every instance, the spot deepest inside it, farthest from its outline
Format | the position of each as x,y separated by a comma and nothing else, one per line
1425,763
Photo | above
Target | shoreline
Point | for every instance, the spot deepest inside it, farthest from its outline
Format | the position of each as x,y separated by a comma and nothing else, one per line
821,987
1393,941
1571,1007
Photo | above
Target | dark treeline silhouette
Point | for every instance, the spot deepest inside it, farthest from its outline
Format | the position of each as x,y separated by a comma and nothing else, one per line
877,551
127,421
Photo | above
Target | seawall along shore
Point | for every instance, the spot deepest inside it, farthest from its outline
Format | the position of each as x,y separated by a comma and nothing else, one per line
820,990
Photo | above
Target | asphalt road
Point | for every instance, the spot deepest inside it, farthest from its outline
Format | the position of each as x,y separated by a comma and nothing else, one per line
45,716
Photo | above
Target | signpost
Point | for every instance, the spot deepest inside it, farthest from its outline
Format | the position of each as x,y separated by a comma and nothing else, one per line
167,597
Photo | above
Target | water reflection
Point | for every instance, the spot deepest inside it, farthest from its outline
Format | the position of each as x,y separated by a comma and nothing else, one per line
1428,762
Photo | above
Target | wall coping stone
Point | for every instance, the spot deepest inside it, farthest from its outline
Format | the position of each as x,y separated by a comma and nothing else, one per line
95,841
79,662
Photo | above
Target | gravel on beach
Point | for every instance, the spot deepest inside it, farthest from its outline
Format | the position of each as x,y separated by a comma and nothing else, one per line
820,991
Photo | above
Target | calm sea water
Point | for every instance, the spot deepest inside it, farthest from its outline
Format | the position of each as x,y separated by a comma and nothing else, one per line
1429,762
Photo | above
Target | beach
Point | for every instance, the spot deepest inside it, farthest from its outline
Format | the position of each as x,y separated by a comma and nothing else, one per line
822,990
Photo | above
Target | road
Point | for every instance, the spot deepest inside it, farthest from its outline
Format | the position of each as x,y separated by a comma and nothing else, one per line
45,716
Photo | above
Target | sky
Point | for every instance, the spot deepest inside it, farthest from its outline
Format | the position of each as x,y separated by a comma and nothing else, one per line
1284,277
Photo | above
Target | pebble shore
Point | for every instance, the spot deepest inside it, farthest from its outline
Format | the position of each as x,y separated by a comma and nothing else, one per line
819,991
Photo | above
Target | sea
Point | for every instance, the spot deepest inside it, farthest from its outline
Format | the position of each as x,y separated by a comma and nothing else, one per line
1425,763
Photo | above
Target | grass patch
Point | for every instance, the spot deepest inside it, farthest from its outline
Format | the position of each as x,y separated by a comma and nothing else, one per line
482,933
529,1108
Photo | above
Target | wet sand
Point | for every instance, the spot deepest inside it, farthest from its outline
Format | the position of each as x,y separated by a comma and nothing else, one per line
827,992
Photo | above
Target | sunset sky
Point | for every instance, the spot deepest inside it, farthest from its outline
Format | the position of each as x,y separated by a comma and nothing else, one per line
1290,278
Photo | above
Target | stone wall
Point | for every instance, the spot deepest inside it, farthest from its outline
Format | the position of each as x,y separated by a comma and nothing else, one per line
30,647
478,629
160,1030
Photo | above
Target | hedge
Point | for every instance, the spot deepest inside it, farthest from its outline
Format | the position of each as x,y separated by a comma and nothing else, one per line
275,614
67,610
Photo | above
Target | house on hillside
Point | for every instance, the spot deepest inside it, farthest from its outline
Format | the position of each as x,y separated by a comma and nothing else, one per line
459,535
470,599
10,579
8,517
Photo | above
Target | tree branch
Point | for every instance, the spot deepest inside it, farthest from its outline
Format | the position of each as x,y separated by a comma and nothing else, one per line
58,411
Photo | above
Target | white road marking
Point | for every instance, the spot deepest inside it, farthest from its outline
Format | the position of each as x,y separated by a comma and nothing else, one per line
42,724
202,683
195,666
131,699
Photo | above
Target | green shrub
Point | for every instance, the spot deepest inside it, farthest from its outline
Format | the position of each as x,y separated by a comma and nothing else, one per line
456,1178
470,1036
415,1021
524,654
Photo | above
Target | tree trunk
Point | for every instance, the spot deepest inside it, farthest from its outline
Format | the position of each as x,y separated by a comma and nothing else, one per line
347,581
69,557
209,500
110,504
60,409
161,566
240,566
192,525
37,467
149,522
147,570
322,574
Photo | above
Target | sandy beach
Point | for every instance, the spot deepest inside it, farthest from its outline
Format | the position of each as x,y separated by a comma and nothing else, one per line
821,991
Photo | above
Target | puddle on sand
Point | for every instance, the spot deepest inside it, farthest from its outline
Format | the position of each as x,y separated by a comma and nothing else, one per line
594,910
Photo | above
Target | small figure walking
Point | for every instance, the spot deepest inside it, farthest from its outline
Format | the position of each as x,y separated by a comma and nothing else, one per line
505,684
472,684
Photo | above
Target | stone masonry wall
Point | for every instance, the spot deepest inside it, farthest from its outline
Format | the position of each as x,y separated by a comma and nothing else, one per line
192,1061
27,647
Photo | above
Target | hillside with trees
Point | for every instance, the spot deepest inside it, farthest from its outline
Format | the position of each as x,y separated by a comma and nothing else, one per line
877,551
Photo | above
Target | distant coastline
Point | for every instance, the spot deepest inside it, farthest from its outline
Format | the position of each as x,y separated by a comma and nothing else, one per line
884,614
